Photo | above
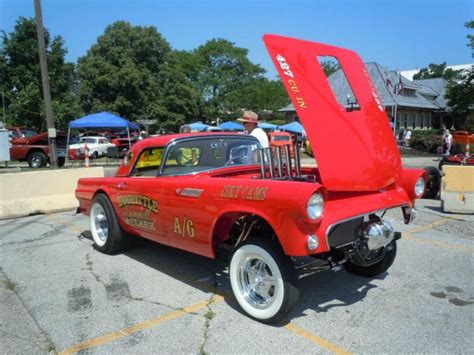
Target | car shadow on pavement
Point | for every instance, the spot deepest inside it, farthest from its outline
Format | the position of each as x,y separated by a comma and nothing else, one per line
319,292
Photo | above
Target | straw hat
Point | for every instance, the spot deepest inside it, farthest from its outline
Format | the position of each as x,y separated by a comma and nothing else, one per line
249,116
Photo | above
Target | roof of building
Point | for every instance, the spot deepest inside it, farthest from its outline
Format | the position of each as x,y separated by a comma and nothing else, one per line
424,94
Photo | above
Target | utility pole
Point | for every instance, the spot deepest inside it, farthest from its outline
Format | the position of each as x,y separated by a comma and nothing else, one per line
46,90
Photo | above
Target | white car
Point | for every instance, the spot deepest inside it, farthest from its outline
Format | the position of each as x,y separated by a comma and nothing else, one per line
97,146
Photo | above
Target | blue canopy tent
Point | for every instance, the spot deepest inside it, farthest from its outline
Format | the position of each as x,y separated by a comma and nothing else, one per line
231,126
293,127
197,126
267,126
100,120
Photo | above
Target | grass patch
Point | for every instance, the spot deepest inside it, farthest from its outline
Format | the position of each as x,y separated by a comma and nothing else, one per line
9,284
210,314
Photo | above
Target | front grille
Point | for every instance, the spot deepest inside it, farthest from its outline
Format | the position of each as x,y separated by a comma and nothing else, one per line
345,232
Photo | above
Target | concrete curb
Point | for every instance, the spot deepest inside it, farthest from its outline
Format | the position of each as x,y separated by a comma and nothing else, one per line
45,191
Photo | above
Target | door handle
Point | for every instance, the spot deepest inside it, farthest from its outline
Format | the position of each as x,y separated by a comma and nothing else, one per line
122,185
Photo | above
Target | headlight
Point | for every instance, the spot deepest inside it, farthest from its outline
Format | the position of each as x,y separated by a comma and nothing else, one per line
315,206
420,187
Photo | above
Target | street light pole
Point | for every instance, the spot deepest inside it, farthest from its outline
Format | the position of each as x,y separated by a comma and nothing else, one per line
46,88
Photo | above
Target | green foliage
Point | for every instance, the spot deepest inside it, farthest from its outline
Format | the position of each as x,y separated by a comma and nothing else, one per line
426,140
470,25
228,81
330,67
133,72
20,77
437,71
278,122
460,98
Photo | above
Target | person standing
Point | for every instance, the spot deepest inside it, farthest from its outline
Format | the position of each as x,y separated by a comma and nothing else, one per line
407,137
447,142
250,121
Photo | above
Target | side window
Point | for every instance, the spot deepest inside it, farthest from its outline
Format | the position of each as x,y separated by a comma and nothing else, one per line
148,162
183,159
198,155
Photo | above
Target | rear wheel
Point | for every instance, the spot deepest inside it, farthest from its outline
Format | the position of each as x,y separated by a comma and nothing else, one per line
107,234
37,160
375,269
263,280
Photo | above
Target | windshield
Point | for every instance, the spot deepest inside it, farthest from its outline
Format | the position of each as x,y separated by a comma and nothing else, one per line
27,133
192,156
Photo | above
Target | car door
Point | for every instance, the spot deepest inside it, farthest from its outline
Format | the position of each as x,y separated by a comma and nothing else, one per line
138,197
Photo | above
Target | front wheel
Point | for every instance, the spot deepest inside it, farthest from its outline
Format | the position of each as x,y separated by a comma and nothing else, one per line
389,253
263,280
37,160
107,234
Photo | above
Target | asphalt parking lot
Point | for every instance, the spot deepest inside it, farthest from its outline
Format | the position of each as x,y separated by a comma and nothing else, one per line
58,294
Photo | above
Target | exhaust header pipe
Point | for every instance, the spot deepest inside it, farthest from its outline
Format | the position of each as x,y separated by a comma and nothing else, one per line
288,161
297,161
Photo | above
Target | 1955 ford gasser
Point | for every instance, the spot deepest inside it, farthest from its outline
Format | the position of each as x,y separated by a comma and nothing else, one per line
199,192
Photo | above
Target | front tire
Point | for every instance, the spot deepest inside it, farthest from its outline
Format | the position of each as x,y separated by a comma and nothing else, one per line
377,268
263,280
106,232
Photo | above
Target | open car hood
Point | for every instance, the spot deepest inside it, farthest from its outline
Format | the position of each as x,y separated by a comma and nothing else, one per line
355,151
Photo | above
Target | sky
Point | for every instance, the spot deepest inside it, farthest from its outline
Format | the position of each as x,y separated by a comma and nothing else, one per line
399,34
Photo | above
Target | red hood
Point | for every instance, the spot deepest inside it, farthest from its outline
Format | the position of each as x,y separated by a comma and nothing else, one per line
355,151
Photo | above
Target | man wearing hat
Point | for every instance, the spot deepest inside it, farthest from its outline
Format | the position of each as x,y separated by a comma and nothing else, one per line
250,121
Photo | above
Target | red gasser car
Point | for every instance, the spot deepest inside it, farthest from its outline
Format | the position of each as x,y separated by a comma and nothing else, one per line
203,191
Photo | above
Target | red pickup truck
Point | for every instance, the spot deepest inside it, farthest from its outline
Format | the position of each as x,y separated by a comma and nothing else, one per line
29,145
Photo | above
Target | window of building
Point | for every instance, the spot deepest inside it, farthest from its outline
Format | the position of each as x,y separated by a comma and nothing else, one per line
405,120
422,121
413,120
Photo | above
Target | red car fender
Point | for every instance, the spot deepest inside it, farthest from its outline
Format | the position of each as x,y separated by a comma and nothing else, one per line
407,180
288,219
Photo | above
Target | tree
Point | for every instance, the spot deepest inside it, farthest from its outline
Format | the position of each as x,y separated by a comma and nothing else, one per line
20,77
222,73
470,25
133,72
330,67
459,96
437,71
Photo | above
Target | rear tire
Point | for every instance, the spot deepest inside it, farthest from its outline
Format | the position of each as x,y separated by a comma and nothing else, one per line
106,232
263,280
375,269
37,160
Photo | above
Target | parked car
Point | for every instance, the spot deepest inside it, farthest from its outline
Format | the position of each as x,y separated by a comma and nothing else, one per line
124,144
463,137
28,145
199,192
97,146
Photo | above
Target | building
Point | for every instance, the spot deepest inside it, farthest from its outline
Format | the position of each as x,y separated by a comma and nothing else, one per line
418,104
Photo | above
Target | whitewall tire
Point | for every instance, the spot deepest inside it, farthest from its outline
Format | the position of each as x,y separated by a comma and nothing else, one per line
263,280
